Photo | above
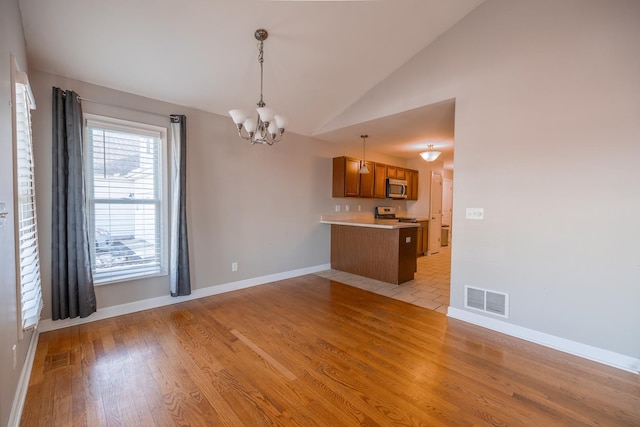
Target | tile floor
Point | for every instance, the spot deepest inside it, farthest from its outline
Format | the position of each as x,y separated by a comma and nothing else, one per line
428,289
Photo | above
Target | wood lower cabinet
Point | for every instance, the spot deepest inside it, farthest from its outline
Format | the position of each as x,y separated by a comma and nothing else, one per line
422,241
386,254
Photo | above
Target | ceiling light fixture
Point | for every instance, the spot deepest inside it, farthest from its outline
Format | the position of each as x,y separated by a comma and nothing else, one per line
430,155
269,126
364,169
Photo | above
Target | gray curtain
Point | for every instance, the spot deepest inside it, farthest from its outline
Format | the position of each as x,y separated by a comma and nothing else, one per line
72,292
180,283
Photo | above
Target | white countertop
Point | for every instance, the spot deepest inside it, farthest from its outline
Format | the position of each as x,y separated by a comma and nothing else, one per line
362,220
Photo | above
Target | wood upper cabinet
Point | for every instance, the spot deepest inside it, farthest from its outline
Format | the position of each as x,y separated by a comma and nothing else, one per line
367,181
348,182
412,178
392,172
380,176
346,177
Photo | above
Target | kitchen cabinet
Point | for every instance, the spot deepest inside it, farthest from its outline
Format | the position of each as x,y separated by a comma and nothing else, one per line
367,181
380,177
422,240
392,172
383,254
346,177
348,182
412,184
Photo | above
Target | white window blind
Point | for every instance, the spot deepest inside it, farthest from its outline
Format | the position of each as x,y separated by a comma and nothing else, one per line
125,191
28,258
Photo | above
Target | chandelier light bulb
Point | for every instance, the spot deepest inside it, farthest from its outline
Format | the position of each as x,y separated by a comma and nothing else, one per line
238,116
281,121
273,128
250,125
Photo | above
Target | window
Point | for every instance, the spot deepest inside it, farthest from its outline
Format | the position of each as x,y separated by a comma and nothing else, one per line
126,181
28,257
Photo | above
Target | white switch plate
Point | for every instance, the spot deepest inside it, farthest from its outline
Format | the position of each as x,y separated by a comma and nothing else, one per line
475,213
337,208
234,266
346,208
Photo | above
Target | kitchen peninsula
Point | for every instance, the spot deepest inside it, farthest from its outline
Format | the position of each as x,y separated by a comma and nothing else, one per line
376,248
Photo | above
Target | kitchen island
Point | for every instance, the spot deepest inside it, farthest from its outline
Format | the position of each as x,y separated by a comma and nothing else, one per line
379,249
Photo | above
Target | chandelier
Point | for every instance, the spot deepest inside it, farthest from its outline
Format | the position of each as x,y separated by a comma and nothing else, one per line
430,155
269,126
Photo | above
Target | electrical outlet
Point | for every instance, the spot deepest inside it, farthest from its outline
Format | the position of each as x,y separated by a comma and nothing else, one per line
359,208
475,213
15,357
234,266
337,208
346,208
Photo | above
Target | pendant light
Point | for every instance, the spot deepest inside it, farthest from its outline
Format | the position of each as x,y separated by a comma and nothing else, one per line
430,155
364,169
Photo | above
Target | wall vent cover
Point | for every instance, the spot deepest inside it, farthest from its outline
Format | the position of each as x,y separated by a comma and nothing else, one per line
487,301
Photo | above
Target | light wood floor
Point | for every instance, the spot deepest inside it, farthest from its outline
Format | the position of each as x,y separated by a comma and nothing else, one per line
313,352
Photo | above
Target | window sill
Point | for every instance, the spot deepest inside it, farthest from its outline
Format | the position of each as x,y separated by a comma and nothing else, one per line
129,278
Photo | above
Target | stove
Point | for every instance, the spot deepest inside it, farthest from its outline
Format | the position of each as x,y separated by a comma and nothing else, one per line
389,213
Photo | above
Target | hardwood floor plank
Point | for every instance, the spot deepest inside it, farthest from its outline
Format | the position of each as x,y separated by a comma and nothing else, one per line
310,351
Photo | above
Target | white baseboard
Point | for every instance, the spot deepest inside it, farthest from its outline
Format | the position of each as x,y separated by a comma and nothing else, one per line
585,351
132,307
23,383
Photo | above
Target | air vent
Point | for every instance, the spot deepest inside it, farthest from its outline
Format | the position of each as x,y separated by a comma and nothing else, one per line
488,301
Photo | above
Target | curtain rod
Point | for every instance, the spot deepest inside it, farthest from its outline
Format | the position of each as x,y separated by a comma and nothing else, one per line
167,116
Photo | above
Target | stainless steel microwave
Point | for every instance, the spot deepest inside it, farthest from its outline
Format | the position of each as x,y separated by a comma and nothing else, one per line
396,188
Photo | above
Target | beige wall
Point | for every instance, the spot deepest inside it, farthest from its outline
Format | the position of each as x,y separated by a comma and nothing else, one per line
546,141
11,42
255,205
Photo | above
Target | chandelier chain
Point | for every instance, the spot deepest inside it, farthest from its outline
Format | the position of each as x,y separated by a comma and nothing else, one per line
261,61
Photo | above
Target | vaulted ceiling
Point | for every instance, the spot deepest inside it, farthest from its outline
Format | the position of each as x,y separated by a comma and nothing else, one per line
320,56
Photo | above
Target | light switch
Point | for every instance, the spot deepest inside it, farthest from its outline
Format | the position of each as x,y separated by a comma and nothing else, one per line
3,214
475,213
407,239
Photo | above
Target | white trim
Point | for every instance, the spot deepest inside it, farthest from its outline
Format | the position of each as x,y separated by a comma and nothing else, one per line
23,382
132,307
585,351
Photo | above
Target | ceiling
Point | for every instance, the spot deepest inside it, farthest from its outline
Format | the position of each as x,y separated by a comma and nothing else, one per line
320,56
